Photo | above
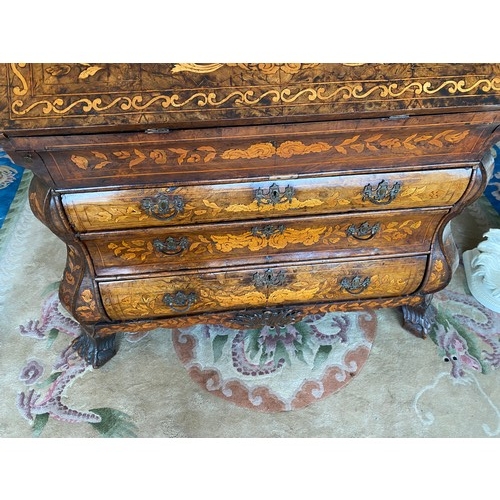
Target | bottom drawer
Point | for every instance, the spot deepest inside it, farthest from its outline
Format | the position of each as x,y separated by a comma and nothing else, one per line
191,292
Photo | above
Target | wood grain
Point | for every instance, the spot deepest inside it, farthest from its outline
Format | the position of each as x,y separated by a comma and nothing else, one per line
62,96
108,210
291,239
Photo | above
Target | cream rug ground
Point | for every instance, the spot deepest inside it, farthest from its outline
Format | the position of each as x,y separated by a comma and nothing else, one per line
345,375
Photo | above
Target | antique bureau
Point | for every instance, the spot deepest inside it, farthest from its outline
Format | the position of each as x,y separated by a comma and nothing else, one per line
249,194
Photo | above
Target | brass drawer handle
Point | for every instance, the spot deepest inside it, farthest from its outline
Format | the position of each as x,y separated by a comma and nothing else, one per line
354,285
268,230
381,194
364,231
171,246
274,195
162,206
269,278
180,301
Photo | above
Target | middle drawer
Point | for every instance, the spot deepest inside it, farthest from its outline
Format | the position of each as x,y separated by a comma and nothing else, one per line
203,246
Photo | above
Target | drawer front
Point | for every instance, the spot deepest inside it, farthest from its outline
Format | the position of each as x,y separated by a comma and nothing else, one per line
135,208
195,247
191,293
183,155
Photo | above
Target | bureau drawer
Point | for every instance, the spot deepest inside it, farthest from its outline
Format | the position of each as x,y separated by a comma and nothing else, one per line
191,293
135,208
201,246
282,149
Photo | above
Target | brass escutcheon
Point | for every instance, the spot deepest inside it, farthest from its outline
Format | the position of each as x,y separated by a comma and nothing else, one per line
381,194
269,278
268,230
274,195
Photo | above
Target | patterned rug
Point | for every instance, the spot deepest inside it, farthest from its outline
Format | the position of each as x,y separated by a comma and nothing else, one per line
278,369
295,366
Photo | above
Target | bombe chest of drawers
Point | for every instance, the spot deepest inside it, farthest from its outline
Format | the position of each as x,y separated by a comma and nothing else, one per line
249,194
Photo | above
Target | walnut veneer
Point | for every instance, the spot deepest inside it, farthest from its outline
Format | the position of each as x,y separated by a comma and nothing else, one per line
249,194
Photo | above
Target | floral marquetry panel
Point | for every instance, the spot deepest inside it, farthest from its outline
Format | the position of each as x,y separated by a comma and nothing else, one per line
198,247
73,95
260,287
200,204
179,156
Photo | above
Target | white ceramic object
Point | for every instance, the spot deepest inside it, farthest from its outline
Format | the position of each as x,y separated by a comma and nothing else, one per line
482,269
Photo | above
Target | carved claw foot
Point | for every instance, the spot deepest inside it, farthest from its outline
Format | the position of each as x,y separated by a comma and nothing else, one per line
95,350
418,319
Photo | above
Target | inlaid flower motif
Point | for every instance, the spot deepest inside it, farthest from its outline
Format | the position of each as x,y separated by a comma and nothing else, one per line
80,161
259,150
58,69
159,156
291,148
31,372
273,68
87,296
265,68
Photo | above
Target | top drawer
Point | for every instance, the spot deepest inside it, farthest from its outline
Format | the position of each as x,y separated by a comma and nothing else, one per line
134,208
255,152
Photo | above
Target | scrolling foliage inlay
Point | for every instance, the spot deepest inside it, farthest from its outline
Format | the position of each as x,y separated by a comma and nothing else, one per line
356,144
266,85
